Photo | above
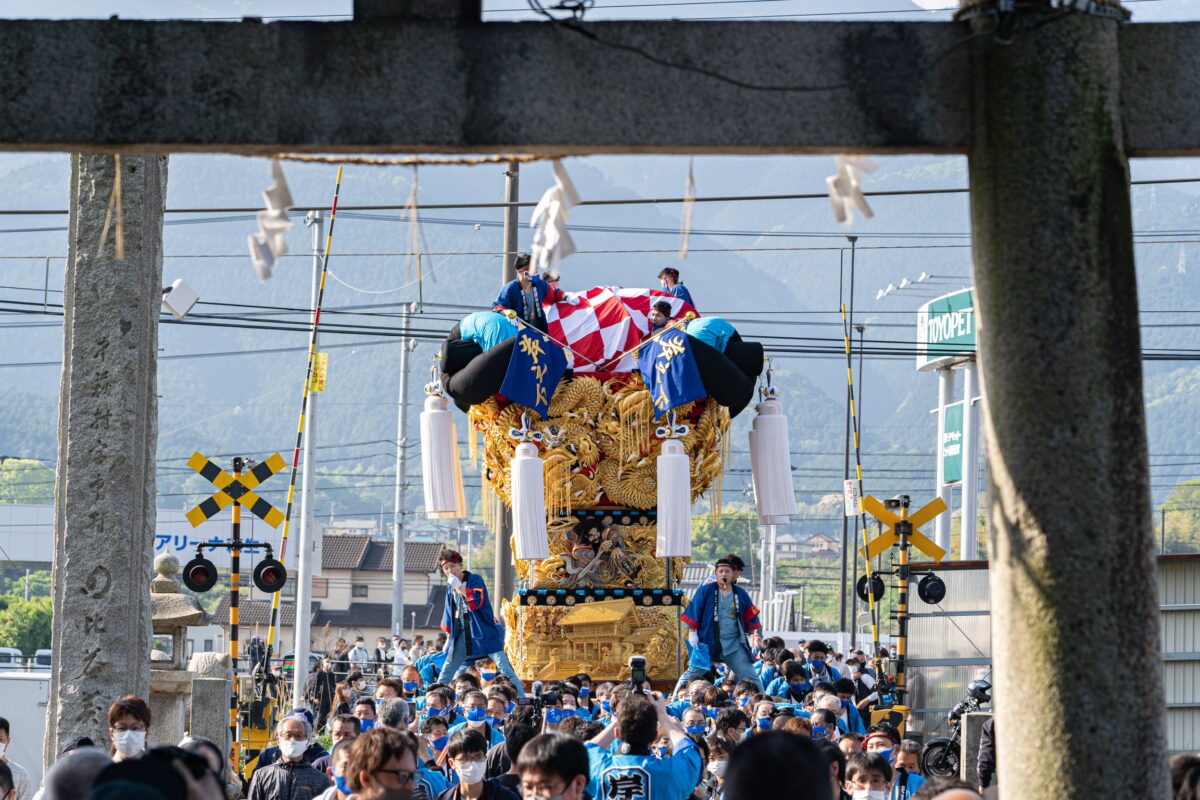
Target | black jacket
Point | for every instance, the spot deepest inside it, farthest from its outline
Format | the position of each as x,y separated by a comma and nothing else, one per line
492,790
288,780
986,765
319,688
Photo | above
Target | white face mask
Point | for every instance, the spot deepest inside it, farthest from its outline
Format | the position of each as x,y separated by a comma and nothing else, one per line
869,794
292,749
472,771
717,768
130,743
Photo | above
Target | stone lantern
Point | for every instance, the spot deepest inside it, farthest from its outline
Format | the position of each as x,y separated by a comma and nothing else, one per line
181,701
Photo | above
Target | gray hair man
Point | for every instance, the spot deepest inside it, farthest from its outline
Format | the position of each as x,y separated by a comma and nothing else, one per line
392,712
291,775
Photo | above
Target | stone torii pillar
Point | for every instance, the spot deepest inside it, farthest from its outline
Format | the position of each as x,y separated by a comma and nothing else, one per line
1074,600
104,494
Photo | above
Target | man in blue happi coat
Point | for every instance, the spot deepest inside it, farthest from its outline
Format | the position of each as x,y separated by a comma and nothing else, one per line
471,628
669,279
721,616
526,294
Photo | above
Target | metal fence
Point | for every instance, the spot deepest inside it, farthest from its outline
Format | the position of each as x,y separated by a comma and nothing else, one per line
951,645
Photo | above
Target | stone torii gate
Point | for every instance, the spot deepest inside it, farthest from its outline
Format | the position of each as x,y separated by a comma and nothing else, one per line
1047,122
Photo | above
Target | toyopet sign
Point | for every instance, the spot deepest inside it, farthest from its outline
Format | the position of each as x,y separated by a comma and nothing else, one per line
946,330
952,443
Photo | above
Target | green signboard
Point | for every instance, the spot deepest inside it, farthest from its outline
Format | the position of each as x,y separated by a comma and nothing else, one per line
946,330
952,443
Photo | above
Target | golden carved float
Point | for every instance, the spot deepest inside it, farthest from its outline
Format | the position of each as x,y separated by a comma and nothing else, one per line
599,451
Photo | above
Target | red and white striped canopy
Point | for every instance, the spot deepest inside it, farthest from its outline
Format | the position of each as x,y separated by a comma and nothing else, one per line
605,322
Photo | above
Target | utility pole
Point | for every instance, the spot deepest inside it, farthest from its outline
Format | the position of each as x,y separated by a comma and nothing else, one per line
502,581
302,629
1162,540
774,574
398,499
764,576
846,460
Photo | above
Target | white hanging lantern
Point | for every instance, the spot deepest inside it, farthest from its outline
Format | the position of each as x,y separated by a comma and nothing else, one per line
529,503
770,466
674,502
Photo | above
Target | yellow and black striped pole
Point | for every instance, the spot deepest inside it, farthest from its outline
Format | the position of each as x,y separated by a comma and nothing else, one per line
301,650
904,529
235,575
858,476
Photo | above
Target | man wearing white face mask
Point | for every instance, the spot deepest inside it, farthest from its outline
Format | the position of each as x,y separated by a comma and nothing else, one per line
20,776
290,778
868,776
467,751
128,724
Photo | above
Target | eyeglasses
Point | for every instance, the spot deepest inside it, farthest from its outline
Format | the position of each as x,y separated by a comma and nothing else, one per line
402,776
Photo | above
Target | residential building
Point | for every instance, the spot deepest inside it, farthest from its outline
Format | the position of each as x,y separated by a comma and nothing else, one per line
353,596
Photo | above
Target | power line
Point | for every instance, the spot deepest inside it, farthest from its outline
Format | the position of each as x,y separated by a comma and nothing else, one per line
298,210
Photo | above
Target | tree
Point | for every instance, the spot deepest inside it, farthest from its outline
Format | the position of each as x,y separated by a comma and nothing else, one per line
25,624
1180,516
24,480
734,532
13,582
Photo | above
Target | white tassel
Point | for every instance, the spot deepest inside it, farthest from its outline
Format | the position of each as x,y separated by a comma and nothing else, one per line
770,467
529,503
440,473
460,503
674,502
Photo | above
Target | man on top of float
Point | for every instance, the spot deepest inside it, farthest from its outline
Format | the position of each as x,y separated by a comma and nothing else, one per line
526,294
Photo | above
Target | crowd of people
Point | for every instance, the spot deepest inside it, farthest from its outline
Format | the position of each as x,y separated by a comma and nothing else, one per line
751,719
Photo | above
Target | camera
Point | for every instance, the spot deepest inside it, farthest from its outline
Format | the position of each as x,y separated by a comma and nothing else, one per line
637,672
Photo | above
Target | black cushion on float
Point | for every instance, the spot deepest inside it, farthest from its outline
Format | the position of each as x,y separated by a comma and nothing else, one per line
481,377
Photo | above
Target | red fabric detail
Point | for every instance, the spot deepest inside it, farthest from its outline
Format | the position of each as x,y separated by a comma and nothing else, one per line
476,603
605,322
446,628
691,623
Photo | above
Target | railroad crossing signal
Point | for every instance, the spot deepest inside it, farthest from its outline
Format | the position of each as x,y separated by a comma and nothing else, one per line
903,523
236,490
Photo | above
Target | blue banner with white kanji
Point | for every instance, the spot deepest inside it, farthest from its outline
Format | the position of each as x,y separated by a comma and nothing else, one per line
534,370
669,370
